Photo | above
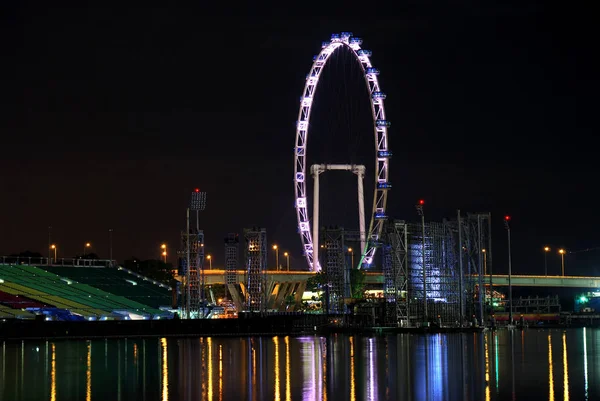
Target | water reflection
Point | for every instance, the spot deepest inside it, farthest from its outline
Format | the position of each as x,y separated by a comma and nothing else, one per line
88,373
565,369
585,364
165,370
550,371
52,373
404,367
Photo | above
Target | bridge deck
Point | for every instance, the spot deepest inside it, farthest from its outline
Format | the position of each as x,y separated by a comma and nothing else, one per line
500,280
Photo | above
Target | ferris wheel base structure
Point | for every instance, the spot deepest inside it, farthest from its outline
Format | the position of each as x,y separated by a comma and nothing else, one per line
369,238
359,170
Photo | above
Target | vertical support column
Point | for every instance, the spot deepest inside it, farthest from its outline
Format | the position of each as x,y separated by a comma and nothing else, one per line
460,271
315,170
360,172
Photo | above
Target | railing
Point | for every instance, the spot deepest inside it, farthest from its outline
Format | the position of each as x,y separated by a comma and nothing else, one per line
41,261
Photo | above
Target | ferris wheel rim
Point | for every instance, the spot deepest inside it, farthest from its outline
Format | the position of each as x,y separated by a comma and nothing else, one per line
382,153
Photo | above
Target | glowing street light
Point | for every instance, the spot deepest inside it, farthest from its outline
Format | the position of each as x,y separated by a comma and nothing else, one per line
85,248
163,247
276,249
546,250
351,252
209,261
562,257
53,247
287,256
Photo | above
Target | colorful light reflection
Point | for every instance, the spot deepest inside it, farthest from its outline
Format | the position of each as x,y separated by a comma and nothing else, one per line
565,369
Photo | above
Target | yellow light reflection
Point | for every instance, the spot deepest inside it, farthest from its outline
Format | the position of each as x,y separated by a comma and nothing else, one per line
288,390
565,369
277,383
210,368
135,353
220,372
253,368
352,384
585,364
53,375
88,374
324,368
487,370
550,371
165,370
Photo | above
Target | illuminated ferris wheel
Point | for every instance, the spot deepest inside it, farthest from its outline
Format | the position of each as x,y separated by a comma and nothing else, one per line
369,239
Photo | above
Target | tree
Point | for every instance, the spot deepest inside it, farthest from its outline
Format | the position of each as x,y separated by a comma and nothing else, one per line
289,301
316,282
357,283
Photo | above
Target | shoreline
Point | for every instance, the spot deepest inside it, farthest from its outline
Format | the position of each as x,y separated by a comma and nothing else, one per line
295,325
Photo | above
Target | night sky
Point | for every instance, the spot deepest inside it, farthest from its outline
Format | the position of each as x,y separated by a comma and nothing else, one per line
112,116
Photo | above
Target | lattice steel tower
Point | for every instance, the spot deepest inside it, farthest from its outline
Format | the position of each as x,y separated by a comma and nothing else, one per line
232,245
477,241
395,273
192,260
256,268
334,266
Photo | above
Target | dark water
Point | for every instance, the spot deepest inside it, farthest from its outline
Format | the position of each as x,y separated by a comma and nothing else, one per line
528,365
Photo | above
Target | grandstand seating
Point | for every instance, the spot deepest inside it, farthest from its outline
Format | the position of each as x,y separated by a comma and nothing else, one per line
65,293
117,281
19,301
10,313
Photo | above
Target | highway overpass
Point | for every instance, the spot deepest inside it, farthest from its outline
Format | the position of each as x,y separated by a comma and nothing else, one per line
501,280
544,281
218,276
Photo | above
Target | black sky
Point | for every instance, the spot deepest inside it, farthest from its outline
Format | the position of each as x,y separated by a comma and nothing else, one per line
111,116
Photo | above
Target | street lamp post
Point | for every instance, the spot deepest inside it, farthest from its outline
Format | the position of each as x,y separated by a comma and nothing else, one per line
484,261
110,231
510,310
85,247
351,251
287,257
209,261
164,252
54,248
562,257
276,249
546,250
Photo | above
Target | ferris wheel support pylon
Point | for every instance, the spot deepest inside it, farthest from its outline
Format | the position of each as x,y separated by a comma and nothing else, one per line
315,171
370,238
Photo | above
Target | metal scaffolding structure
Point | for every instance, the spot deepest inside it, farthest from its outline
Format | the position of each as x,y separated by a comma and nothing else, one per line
334,265
395,251
191,261
232,245
477,254
256,268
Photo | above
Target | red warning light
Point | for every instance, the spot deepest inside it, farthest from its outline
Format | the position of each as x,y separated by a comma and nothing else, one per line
421,202
197,190
507,217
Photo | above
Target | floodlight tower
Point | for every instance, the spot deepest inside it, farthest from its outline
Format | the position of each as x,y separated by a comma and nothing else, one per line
232,243
193,244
